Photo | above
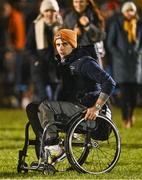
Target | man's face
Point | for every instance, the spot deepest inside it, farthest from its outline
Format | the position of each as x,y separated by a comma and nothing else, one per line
80,5
63,48
49,16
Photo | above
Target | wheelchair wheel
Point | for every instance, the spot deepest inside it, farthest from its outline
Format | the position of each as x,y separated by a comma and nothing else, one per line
89,154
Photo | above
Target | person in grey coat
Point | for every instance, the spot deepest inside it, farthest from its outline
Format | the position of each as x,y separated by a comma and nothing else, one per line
124,42
86,19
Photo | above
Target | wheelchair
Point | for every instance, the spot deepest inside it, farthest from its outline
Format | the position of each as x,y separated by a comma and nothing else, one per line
95,150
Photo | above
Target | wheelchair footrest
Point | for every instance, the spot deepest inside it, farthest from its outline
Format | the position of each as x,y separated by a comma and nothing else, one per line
44,167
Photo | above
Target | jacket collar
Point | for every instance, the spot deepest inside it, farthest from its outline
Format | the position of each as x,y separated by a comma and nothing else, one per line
73,56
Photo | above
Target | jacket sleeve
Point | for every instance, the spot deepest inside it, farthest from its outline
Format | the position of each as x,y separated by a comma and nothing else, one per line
19,31
92,70
95,33
31,44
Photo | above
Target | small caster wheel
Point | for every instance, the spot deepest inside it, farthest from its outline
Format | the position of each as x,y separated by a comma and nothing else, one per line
19,170
49,169
22,168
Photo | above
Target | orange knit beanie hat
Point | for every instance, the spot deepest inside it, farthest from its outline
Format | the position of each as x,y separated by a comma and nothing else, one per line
68,35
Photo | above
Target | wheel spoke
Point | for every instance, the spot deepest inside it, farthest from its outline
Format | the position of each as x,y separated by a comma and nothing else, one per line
94,156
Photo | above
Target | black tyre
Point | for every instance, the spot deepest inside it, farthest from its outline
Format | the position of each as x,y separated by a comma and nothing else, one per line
21,163
22,167
49,169
91,153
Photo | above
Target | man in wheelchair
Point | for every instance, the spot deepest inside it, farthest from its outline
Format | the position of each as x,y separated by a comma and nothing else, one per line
86,88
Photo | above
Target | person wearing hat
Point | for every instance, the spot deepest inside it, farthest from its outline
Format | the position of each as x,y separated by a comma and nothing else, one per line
124,42
85,87
40,49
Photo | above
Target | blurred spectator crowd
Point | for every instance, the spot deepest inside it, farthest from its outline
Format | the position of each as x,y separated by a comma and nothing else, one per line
24,77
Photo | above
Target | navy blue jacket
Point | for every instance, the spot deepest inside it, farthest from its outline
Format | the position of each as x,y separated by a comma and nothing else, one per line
83,79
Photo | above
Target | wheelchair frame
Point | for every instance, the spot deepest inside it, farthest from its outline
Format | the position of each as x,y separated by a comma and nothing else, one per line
77,163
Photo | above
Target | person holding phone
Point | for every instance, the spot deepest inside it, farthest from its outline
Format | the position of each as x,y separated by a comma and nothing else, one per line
40,48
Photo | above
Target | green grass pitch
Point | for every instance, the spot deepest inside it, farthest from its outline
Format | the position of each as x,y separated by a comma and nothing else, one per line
12,125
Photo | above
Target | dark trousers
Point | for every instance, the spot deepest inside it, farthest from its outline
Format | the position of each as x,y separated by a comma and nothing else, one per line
128,99
32,113
46,114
